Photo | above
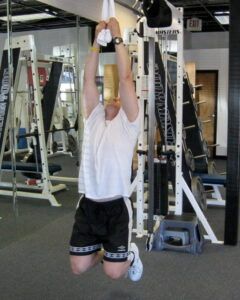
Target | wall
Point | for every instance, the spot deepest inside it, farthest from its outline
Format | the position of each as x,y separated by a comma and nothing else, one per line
206,40
45,40
215,59
210,52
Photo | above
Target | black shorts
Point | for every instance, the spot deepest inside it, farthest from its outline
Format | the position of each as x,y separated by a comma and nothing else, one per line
106,225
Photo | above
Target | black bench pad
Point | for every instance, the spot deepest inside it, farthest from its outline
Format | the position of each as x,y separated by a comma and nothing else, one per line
31,167
213,179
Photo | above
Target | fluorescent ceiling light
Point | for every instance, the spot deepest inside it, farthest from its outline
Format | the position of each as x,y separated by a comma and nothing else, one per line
226,12
222,17
224,20
30,17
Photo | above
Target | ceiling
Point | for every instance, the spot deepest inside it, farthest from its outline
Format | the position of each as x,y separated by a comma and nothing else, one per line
62,19
203,9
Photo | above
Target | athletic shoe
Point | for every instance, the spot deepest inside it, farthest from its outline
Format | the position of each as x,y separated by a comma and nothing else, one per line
135,270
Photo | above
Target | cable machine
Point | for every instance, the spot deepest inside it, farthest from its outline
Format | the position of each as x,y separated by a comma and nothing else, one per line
171,124
24,54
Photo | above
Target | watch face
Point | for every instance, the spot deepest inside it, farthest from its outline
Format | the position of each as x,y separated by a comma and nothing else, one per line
118,40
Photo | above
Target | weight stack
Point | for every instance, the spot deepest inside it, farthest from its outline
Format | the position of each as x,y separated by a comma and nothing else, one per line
170,131
161,186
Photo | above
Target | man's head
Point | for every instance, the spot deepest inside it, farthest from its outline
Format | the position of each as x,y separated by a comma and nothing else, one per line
112,109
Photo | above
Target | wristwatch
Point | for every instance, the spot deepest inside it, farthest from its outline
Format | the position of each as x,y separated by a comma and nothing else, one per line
117,40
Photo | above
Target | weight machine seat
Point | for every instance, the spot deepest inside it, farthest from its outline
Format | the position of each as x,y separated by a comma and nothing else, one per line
31,167
213,179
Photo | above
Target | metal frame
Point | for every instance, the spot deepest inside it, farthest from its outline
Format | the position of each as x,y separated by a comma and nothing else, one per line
217,199
28,54
179,117
138,182
181,186
43,61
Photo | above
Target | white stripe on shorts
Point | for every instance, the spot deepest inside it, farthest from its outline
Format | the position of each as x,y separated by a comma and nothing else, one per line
130,223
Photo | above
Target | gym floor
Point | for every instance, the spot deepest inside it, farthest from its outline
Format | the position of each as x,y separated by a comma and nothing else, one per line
34,259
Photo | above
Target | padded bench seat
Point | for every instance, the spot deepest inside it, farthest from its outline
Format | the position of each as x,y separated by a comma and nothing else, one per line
213,179
30,167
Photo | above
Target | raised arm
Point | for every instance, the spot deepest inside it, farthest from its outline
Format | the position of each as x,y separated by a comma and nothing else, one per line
90,91
126,86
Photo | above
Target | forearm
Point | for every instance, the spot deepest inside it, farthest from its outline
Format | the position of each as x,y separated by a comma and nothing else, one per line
92,61
123,63
90,91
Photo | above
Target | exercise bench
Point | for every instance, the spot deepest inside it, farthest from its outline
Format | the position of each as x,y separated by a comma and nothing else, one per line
31,167
215,181
44,191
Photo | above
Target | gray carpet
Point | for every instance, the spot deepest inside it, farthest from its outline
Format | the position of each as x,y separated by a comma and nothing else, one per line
36,267
34,261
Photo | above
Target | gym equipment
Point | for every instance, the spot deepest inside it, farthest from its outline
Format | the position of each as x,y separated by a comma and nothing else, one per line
231,236
212,168
213,184
168,111
72,144
4,96
158,13
57,75
49,96
31,167
194,139
65,115
213,179
22,142
166,124
199,192
179,233
190,160
161,188
25,56
54,147
53,130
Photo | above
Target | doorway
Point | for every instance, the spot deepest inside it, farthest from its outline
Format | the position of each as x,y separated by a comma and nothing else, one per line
207,112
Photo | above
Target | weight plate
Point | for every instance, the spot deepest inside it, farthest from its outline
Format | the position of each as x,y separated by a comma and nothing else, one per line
184,134
191,88
66,124
195,105
190,160
198,191
199,124
54,147
205,148
212,168
7,144
72,144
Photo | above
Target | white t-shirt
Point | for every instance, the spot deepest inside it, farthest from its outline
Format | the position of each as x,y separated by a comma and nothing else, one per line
107,153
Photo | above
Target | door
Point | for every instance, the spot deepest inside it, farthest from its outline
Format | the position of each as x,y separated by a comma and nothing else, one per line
207,94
